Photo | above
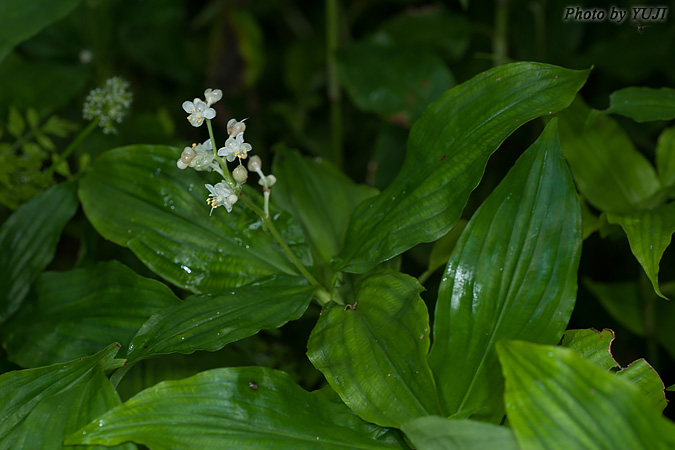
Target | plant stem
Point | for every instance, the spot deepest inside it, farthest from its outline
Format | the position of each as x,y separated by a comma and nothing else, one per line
332,28
223,164
322,295
500,40
73,145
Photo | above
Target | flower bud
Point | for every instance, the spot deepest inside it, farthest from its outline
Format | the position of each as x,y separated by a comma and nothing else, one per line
188,155
254,163
240,174
181,165
232,199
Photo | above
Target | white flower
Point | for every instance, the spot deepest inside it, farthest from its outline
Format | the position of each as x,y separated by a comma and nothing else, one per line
212,96
221,195
198,111
268,181
234,128
235,148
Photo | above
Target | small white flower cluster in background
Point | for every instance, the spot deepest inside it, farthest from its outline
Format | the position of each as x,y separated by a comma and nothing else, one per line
108,104
205,157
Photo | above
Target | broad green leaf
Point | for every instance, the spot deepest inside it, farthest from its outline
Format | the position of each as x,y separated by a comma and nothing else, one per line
373,353
648,381
205,322
592,345
62,414
643,104
165,221
382,79
649,234
610,173
557,400
511,275
78,312
28,242
243,408
20,20
442,249
447,151
595,346
22,391
320,198
627,302
665,156
439,433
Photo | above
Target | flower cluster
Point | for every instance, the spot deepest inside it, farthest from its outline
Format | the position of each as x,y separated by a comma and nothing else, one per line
205,157
108,104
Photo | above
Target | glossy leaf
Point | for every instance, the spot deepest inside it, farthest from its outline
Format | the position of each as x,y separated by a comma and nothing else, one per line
643,104
205,322
512,274
62,414
649,234
382,80
439,433
28,242
165,221
20,20
610,173
665,156
244,408
442,249
78,312
592,345
446,155
556,399
373,353
22,391
320,198
647,380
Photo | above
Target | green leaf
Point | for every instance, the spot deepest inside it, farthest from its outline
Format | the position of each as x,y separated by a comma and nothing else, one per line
447,152
665,156
15,122
244,408
62,414
589,221
643,104
165,222
512,274
78,312
648,381
610,173
373,353
592,345
439,433
627,303
28,242
33,118
22,391
649,234
382,79
556,399
20,20
204,322
320,198
442,249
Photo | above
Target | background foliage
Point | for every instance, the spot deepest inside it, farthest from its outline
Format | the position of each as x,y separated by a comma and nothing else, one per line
347,92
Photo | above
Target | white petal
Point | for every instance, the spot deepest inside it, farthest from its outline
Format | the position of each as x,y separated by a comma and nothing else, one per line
210,113
188,107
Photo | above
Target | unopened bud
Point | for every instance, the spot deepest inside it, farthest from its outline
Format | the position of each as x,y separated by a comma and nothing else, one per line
254,163
240,174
